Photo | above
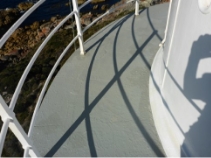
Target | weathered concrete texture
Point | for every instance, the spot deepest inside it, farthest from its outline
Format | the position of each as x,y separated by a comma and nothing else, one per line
98,104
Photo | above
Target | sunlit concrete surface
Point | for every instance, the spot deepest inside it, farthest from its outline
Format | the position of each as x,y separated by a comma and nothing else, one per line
98,104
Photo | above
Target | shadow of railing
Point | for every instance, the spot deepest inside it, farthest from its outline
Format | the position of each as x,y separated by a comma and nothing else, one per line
8,112
85,115
89,107
132,112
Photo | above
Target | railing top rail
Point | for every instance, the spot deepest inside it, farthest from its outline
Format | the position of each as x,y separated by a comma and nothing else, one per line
19,22
29,66
46,84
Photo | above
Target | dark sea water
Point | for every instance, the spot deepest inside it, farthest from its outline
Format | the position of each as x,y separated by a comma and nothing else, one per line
49,8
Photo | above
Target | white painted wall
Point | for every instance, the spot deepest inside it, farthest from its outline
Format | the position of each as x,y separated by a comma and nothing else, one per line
184,99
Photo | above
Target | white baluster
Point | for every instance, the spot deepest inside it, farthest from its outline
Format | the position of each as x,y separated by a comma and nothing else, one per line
137,8
78,24
16,128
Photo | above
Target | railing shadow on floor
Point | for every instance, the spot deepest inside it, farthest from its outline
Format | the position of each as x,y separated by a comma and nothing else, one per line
142,129
90,106
116,78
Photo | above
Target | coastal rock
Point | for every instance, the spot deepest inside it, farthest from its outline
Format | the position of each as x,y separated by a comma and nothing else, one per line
9,45
104,7
97,1
95,7
47,25
17,32
8,16
8,19
28,32
14,52
25,6
46,30
35,25
86,19
56,22
40,35
1,52
81,1
53,19
31,37
71,26
31,43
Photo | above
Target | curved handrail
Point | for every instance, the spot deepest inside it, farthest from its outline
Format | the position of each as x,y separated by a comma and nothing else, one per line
167,25
26,145
106,13
93,22
19,22
60,58
47,82
50,76
84,4
130,1
29,66
9,119
3,134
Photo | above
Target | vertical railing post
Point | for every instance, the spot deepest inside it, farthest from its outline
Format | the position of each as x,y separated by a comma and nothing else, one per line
137,7
3,133
9,119
171,42
167,25
26,152
78,24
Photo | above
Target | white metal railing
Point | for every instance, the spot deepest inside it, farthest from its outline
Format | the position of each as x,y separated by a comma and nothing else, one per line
167,25
19,22
7,115
10,121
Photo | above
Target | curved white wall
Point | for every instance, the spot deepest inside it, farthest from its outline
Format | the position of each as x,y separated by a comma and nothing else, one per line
180,94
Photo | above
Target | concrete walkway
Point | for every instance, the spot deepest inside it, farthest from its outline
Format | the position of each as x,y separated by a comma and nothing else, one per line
98,104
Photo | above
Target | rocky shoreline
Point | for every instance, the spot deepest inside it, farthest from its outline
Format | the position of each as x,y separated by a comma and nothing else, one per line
25,38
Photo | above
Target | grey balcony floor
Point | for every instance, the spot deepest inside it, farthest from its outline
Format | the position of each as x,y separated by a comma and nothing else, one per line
98,104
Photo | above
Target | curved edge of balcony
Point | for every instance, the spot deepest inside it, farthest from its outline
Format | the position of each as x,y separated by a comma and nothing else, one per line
168,132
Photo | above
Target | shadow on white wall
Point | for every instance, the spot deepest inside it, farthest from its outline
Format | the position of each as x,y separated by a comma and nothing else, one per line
197,87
